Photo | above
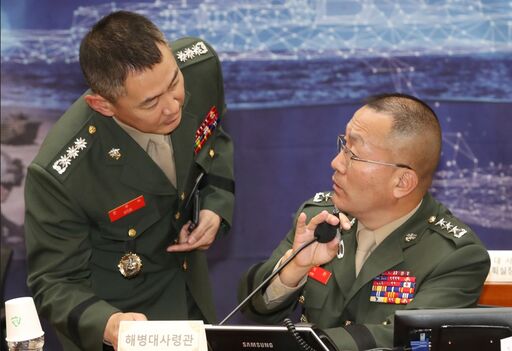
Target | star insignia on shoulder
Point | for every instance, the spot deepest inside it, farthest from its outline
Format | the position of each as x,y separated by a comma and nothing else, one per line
64,161
321,196
192,52
451,228
441,223
458,232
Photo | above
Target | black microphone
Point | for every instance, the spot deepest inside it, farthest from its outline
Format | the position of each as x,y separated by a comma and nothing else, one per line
324,233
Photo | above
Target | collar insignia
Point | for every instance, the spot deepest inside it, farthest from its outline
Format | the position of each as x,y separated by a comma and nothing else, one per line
410,237
115,153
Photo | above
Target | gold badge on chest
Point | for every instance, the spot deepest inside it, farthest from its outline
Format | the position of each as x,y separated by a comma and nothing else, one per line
130,265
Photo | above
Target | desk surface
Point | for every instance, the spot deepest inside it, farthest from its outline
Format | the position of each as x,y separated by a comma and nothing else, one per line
496,294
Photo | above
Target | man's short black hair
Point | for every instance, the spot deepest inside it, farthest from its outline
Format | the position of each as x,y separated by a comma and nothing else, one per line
409,112
119,43
415,122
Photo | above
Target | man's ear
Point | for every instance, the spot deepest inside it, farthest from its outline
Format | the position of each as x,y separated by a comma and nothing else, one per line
99,104
405,183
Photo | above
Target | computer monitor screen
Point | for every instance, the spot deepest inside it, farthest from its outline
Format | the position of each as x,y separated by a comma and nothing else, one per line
264,337
453,329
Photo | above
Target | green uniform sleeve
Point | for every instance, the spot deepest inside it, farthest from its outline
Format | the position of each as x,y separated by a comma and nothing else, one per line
59,251
256,308
219,194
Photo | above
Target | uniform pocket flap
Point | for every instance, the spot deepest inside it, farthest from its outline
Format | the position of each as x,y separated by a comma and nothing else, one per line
132,225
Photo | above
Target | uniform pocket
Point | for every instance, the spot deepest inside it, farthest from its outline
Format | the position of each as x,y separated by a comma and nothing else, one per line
132,225
315,294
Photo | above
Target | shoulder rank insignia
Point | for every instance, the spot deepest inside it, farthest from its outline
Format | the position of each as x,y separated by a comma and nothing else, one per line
192,51
451,228
320,197
72,152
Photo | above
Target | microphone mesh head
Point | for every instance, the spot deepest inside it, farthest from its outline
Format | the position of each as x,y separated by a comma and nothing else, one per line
325,232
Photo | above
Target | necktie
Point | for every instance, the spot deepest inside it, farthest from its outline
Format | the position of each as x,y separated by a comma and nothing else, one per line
160,150
365,243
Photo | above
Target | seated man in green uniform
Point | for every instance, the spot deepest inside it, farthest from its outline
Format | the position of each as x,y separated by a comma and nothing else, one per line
130,187
398,247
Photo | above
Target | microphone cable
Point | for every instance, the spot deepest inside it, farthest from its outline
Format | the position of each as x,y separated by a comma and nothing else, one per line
300,341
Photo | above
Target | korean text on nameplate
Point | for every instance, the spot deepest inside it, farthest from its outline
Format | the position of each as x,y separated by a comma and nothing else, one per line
162,336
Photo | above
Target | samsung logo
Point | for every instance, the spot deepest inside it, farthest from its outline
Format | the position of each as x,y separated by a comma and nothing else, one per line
257,345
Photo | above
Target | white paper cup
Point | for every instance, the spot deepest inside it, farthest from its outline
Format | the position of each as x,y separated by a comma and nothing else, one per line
21,319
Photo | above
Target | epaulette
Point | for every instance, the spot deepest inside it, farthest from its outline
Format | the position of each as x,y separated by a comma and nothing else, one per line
65,160
451,228
189,51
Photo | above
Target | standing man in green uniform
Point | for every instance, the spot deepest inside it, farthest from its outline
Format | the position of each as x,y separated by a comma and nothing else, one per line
130,187
398,247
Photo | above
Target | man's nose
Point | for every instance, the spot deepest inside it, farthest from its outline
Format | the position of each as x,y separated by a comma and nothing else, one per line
339,162
172,105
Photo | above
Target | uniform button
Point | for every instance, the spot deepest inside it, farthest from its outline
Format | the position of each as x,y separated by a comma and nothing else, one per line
347,323
431,219
385,323
92,129
132,232
211,153
185,265
301,299
177,215
182,196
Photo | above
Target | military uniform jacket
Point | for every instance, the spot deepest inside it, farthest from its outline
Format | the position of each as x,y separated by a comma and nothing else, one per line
88,166
449,267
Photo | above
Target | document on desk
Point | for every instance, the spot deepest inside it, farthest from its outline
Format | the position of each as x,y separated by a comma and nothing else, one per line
162,336
506,344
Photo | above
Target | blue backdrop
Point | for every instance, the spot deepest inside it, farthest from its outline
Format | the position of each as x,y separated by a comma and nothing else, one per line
295,71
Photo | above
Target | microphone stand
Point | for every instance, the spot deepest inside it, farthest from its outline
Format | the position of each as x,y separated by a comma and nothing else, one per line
269,278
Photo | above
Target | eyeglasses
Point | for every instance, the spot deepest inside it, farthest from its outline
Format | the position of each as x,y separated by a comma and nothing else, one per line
342,146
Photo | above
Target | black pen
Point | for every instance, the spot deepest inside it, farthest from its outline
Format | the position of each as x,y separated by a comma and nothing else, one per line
195,211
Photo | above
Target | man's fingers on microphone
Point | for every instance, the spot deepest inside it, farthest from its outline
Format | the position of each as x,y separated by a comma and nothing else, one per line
333,244
345,222
319,218
332,219
301,221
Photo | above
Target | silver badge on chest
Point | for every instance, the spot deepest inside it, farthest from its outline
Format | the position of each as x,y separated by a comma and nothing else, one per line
130,265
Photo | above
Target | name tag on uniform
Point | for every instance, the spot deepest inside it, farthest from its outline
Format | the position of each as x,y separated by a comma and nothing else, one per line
320,274
126,208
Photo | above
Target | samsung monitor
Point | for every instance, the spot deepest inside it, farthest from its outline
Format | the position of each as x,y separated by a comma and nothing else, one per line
453,329
264,337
